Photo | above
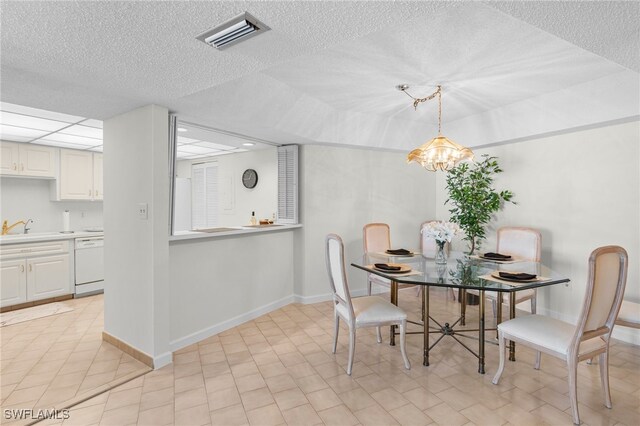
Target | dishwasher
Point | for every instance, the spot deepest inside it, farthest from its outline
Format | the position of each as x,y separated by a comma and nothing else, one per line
89,265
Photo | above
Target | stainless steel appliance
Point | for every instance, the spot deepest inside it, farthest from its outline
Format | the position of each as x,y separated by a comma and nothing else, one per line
89,265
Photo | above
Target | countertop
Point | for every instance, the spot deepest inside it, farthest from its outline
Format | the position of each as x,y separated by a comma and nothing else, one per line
231,230
35,237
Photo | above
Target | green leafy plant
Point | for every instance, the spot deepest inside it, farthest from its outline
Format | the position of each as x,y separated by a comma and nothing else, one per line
474,199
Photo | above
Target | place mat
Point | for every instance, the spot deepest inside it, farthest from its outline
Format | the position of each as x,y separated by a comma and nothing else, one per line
490,277
512,260
404,274
412,253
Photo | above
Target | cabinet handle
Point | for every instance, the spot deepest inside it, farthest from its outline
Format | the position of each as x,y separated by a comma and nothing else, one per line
22,167
15,166
30,267
96,192
21,268
89,193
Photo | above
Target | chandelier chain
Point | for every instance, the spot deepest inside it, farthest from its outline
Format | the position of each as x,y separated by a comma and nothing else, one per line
417,101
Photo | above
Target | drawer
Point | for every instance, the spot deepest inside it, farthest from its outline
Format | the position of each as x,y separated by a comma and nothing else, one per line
14,251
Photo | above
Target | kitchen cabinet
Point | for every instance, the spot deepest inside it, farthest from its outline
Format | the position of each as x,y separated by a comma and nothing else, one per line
80,176
34,271
23,159
97,177
13,282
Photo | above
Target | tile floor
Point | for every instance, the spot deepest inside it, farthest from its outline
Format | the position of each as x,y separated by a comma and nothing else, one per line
279,369
47,361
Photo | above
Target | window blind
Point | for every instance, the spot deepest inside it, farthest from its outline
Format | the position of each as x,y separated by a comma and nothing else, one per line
204,195
288,184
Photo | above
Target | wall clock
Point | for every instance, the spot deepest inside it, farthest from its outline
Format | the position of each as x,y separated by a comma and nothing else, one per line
250,178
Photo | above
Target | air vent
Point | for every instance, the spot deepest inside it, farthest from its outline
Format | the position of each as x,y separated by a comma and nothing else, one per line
240,28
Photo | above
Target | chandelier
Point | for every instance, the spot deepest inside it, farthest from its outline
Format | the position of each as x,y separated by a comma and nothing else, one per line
440,153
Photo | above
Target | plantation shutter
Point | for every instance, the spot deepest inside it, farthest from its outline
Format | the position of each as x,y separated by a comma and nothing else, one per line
288,184
204,184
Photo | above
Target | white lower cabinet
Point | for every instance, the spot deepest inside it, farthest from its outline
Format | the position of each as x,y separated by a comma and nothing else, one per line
13,282
47,277
34,271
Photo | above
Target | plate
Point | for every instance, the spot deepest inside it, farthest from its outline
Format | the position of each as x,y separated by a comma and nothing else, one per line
496,260
497,275
403,268
399,255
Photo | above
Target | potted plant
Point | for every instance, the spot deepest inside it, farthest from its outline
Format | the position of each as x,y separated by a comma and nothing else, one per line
473,198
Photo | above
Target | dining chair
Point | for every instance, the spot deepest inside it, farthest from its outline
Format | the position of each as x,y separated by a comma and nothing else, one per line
523,244
589,338
429,248
366,311
376,238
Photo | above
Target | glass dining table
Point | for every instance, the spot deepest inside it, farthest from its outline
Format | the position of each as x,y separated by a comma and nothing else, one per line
461,272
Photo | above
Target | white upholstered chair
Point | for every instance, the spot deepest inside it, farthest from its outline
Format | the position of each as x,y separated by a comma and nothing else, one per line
590,337
367,311
429,248
376,238
521,243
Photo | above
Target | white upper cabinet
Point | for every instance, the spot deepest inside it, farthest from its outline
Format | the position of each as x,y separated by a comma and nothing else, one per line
97,177
80,176
21,159
76,175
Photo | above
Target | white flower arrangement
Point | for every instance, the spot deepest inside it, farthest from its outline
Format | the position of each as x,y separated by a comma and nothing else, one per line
441,231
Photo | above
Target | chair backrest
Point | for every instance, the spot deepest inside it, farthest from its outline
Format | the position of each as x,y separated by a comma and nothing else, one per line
523,243
376,237
428,245
336,270
605,288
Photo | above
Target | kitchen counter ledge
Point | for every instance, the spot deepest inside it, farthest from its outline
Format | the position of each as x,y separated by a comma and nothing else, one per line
46,236
234,230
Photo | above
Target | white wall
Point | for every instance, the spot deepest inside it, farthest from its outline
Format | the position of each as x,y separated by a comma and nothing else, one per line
343,189
582,191
137,251
219,283
263,199
28,198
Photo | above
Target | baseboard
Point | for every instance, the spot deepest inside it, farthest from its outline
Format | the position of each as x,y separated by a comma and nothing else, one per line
128,349
162,360
227,324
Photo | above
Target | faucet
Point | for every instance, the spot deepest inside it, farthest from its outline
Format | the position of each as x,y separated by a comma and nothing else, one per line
6,229
26,229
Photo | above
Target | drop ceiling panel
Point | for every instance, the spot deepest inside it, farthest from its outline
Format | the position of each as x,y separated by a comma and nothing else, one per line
36,123
14,133
82,130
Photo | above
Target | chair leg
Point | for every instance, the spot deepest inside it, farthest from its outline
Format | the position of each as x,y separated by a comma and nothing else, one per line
368,287
418,290
502,351
603,360
533,304
352,347
453,294
494,306
572,366
378,335
538,358
403,344
336,329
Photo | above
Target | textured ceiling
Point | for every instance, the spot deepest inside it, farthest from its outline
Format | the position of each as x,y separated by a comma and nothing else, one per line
326,71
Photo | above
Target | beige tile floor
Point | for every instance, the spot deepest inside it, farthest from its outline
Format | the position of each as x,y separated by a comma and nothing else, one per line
47,361
279,369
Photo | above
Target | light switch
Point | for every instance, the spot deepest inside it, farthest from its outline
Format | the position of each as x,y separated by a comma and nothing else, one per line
142,211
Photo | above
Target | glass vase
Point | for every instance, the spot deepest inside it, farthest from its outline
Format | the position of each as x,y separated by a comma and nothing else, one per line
441,256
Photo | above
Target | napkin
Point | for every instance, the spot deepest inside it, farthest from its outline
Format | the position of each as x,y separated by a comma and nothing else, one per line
400,251
496,256
386,267
517,276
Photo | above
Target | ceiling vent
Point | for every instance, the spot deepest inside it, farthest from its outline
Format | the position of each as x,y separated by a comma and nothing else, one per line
240,28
